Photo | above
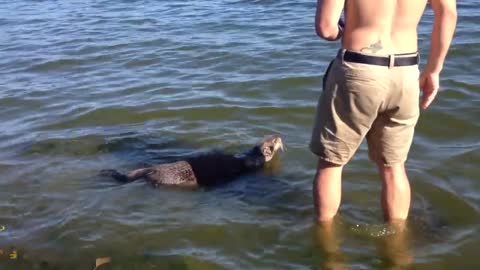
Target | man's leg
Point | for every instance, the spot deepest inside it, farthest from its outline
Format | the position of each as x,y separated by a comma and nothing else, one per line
395,192
396,247
327,190
328,240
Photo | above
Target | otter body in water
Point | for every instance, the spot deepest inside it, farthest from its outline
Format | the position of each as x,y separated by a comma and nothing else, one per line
205,170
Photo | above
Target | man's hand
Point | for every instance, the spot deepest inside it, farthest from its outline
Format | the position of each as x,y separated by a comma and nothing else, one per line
429,84
341,23
445,20
341,29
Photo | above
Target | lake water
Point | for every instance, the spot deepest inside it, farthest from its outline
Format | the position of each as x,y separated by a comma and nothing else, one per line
87,85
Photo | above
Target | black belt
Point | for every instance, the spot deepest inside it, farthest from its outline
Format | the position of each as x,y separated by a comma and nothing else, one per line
398,59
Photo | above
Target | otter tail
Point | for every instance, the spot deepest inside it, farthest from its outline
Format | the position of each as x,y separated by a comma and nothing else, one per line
124,178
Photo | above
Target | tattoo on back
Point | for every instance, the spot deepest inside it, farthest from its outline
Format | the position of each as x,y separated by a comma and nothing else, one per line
374,48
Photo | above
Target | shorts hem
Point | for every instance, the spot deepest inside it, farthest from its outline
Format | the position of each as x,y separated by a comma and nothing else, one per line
388,164
321,156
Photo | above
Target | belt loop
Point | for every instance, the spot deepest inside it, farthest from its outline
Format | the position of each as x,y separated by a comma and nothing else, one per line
391,59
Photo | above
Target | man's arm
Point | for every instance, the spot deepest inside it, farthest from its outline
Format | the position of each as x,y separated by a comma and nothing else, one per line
327,18
445,20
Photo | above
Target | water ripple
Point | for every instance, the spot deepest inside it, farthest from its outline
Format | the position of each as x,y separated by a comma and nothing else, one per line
88,85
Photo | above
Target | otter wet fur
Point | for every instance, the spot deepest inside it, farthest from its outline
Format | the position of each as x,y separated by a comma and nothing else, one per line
205,170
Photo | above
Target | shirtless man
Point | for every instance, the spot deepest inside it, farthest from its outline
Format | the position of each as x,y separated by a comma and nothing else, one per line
371,90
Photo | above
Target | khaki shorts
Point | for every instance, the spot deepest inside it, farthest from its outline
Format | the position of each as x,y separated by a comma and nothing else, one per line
364,100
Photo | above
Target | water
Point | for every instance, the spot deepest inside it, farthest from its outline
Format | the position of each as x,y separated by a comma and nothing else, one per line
88,85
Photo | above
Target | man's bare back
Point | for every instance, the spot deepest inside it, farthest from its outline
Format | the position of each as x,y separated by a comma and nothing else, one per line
382,26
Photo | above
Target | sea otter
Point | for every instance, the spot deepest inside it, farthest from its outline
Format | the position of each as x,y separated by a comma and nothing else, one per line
205,170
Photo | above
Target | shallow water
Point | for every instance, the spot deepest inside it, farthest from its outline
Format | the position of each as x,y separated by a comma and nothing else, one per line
88,85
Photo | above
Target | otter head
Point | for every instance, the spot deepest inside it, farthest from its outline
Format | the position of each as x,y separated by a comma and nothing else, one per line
269,146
